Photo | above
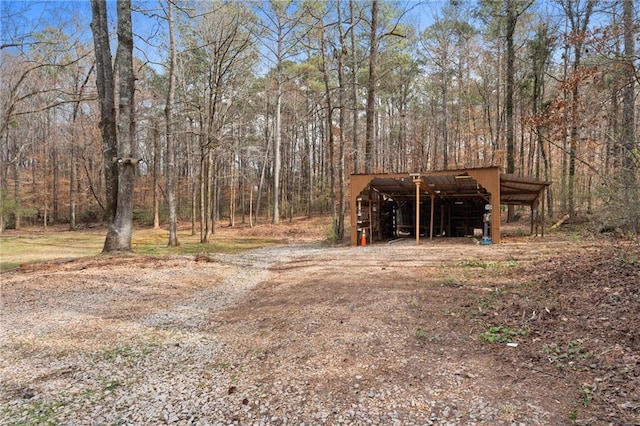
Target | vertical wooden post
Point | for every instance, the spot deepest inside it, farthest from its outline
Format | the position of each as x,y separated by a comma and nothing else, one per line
416,180
544,195
370,216
431,224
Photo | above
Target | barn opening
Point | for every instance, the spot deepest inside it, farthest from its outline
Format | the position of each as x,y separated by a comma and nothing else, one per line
448,203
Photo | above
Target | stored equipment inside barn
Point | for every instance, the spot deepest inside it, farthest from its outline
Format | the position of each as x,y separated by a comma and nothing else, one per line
450,203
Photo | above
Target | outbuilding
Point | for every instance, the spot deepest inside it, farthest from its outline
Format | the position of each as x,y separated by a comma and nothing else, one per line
446,203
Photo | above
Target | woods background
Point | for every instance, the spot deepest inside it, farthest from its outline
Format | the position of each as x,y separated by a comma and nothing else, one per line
261,110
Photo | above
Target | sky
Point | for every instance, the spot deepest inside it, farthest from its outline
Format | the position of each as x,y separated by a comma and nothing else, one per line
21,17
33,14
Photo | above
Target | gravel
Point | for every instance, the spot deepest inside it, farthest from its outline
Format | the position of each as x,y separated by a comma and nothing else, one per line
141,343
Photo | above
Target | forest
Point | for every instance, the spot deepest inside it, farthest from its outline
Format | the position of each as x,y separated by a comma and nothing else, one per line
245,111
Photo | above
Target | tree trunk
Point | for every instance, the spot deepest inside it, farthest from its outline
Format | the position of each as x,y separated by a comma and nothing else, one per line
330,132
210,195
354,87
497,127
630,159
106,97
155,175
194,210
579,20
565,134
277,132
170,135
120,229
55,188
17,198
445,118
204,231
342,196
73,178
308,129
232,189
73,181
540,56
371,89
509,109
261,183
573,141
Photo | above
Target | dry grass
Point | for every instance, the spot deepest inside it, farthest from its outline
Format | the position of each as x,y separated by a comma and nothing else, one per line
37,244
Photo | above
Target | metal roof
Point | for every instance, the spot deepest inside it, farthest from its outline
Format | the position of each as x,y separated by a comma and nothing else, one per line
514,189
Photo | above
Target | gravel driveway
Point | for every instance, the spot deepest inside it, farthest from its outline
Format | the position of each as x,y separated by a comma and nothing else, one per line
301,334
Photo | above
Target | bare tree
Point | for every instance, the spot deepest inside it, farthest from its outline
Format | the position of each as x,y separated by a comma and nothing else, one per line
514,9
354,65
379,30
579,15
539,54
342,100
118,141
106,98
371,89
280,41
631,159
73,178
170,134
217,59
38,78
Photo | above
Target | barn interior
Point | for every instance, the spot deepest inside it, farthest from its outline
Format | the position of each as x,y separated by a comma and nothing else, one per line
457,203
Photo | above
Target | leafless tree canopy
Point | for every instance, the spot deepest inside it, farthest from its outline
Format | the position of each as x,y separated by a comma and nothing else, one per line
258,111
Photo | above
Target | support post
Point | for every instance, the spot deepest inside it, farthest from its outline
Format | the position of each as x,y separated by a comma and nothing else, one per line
417,182
431,224
544,195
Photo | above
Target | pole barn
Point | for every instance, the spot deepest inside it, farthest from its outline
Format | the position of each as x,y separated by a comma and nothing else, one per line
447,203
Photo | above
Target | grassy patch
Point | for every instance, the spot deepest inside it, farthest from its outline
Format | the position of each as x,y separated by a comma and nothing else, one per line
118,353
44,246
126,354
485,303
487,264
7,266
110,385
497,334
570,355
236,245
451,281
32,412
49,245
